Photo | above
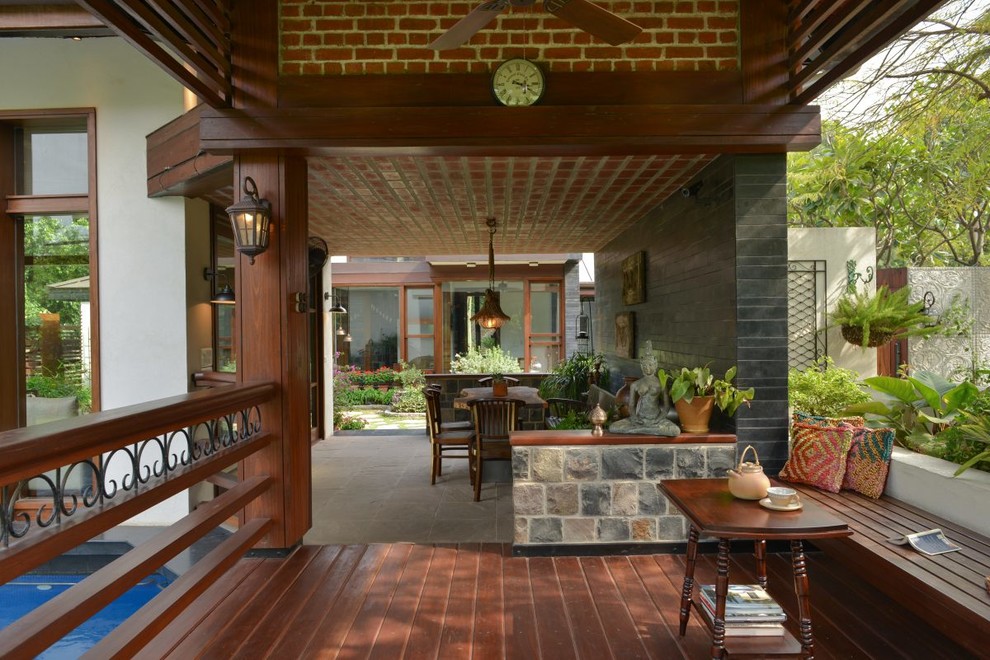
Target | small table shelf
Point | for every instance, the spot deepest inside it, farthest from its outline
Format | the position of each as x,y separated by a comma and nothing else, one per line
713,511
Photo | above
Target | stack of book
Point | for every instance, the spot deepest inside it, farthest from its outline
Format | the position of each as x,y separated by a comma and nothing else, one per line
749,610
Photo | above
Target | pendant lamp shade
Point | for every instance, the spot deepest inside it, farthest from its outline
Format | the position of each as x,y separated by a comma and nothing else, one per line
491,316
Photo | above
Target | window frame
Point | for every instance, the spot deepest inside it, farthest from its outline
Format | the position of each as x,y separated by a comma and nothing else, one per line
15,207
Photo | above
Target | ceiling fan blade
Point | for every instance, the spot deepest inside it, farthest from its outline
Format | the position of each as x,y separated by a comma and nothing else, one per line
594,20
468,26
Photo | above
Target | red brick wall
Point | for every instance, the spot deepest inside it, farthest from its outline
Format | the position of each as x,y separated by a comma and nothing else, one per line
333,37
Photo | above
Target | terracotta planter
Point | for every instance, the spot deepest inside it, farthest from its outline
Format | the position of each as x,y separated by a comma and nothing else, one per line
500,388
695,416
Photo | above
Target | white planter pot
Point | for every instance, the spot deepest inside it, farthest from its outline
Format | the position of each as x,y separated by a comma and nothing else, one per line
927,483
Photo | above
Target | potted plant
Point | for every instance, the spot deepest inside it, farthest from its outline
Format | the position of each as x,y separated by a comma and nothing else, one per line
696,392
499,385
872,320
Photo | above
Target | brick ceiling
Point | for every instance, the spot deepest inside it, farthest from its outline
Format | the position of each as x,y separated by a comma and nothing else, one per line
409,206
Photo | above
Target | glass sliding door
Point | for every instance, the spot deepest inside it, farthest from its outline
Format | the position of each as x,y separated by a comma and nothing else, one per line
545,325
419,335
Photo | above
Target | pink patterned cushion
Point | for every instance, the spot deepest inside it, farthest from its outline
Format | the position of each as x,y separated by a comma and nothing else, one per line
869,461
818,456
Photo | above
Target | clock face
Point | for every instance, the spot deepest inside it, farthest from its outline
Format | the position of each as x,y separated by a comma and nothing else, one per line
518,82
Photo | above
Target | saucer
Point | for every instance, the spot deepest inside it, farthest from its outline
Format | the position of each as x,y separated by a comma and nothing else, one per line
766,503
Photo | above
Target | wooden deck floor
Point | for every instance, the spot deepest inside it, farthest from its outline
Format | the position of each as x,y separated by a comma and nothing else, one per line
475,601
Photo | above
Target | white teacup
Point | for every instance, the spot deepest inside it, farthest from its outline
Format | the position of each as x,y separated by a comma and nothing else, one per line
783,496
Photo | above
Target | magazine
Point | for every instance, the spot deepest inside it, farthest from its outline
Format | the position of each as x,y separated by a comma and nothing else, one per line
930,542
743,618
748,599
746,629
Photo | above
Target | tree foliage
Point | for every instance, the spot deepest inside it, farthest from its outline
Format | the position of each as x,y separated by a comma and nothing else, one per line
910,160
56,246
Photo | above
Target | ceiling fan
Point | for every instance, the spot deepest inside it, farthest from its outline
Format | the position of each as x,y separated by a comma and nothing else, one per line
582,14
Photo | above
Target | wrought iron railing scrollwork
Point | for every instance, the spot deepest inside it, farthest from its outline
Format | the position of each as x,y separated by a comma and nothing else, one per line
57,495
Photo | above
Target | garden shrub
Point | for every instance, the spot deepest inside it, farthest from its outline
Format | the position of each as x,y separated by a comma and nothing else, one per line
486,360
824,389
409,400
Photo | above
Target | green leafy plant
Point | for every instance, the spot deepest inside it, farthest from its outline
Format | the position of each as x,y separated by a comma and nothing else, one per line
875,319
571,421
409,400
571,378
973,448
351,423
698,381
485,360
410,376
824,389
914,406
66,383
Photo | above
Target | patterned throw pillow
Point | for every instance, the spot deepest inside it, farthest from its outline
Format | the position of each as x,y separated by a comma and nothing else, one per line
869,461
818,456
816,420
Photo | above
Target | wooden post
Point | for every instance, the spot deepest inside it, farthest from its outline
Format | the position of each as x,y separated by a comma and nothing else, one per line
272,345
270,335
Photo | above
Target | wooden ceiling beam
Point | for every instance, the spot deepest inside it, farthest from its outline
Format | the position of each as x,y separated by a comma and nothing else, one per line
166,31
540,130
215,48
828,29
63,20
867,49
802,30
215,89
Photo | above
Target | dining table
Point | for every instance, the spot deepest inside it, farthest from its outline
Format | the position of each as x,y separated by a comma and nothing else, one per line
529,395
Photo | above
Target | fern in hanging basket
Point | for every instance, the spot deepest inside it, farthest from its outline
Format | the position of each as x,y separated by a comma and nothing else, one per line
872,320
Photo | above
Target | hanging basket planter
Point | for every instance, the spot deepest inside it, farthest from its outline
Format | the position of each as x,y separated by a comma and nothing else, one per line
854,335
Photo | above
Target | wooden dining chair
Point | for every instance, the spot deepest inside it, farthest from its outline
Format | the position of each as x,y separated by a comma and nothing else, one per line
494,419
455,443
461,425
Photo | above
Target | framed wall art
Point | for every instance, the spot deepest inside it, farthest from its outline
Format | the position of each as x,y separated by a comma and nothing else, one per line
634,279
625,334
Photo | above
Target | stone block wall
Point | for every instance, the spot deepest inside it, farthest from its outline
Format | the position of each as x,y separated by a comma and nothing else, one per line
597,494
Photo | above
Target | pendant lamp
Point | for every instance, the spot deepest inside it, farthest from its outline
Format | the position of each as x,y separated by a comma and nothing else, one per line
491,316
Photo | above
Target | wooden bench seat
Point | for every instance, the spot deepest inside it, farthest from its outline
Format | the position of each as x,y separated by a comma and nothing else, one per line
948,590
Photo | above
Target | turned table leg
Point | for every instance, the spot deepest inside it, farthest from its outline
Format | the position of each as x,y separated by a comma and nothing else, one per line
721,590
800,564
692,556
760,550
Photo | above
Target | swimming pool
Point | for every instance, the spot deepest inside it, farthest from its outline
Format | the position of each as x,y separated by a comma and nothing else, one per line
23,594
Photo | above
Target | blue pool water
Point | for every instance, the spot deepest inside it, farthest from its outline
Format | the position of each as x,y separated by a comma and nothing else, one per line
23,594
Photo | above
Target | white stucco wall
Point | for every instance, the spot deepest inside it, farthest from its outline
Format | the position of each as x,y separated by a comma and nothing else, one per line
837,245
141,240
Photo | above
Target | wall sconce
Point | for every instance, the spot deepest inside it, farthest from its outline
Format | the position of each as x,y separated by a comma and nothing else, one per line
251,220
336,308
225,296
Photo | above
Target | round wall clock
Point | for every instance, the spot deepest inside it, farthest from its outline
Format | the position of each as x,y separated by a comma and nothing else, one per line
518,82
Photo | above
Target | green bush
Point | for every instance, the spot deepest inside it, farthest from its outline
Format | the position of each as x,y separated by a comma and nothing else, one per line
486,360
369,396
409,401
962,443
351,423
65,384
573,420
824,389
410,377
570,379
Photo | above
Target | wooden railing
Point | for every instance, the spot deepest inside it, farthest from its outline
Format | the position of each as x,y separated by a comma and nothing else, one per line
132,459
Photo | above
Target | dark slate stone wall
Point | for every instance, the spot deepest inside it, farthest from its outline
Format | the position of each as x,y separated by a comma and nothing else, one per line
761,283
690,308
716,289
